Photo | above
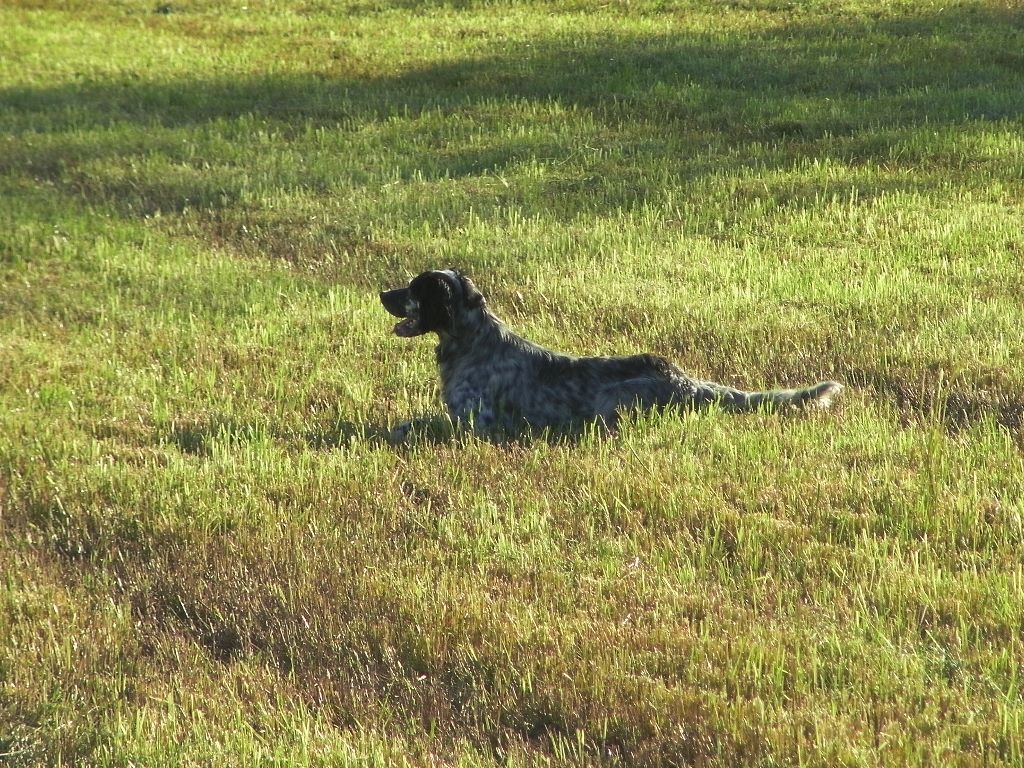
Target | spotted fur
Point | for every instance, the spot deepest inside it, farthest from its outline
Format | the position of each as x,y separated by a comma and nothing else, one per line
494,380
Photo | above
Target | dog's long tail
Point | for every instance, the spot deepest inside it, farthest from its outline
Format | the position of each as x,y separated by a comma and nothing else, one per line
818,396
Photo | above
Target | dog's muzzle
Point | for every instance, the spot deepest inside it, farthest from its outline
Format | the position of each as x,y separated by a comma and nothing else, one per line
395,302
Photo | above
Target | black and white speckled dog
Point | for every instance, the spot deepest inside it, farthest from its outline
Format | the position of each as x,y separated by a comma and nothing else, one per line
494,380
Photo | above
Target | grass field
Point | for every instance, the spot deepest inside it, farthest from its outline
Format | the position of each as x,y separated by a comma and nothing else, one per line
210,555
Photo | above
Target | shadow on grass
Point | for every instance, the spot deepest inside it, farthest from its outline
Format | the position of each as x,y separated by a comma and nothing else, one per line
849,89
944,68
956,406
200,435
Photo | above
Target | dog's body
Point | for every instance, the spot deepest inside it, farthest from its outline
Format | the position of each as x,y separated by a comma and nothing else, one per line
494,380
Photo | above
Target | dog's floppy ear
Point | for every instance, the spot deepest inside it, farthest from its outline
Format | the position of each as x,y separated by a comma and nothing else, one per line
473,296
434,293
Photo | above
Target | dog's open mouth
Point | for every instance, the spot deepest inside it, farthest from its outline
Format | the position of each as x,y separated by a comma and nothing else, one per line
407,328
395,302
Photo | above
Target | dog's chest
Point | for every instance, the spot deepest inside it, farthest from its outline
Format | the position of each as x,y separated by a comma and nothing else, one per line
487,384
468,383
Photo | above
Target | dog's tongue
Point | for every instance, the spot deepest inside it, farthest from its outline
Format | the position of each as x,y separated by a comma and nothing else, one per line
406,328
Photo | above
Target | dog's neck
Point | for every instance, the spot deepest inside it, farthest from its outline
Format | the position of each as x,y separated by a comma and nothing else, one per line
478,329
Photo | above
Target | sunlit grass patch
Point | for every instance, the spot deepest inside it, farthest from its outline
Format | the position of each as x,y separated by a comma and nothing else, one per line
213,550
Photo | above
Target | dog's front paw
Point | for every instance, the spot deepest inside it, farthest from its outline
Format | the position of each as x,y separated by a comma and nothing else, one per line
400,432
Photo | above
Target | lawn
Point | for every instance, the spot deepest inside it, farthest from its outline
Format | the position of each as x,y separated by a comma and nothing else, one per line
210,552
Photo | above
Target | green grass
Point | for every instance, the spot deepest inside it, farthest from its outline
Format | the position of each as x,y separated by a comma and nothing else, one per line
210,555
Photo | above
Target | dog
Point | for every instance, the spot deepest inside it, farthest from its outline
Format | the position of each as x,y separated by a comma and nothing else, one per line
493,380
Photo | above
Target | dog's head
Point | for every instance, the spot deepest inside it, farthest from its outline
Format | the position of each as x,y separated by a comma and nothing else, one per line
433,301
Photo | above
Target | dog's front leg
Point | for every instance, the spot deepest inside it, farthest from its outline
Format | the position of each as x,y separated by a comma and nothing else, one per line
400,432
470,410
437,427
